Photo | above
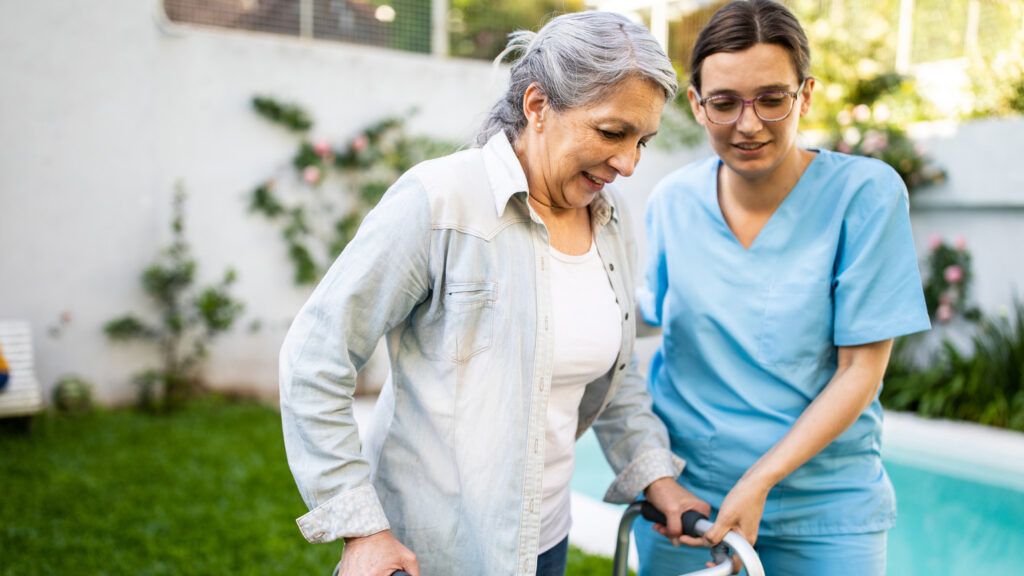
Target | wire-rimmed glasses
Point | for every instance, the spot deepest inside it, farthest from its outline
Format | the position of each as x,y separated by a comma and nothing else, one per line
773,106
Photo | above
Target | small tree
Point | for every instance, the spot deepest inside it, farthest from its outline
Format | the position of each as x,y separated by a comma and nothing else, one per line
188,319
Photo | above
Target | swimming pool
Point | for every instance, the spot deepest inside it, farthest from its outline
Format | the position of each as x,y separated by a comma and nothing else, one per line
956,517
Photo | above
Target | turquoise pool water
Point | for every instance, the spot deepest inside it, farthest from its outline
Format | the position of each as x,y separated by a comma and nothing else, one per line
947,526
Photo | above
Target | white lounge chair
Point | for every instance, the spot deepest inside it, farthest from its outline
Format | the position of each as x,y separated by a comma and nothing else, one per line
21,397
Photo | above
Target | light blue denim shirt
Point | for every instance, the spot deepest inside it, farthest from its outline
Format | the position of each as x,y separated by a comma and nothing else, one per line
452,268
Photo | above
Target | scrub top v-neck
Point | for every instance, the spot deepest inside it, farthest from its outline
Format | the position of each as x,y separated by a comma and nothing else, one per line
750,334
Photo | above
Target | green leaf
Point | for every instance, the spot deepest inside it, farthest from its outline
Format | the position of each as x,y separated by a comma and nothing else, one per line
129,327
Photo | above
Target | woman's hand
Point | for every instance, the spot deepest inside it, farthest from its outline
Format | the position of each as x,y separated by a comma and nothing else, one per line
379,554
672,500
740,512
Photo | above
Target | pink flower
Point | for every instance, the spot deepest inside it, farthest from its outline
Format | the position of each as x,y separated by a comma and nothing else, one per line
934,241
944,312
322,148
843,147
360,143
960,243
861,113
946,298
953,274
311,175
874,141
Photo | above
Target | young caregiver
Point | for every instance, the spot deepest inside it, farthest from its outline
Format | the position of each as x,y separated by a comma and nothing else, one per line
779,276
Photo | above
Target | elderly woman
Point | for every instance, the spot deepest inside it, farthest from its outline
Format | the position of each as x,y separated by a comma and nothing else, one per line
502,278
780,276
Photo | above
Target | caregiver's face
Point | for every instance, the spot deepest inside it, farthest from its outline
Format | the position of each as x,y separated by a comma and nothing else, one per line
751,146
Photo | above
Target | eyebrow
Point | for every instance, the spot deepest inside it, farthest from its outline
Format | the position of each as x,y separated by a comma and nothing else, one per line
760,90
627,126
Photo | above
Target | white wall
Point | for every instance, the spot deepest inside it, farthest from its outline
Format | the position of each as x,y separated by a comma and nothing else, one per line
103,110
983,200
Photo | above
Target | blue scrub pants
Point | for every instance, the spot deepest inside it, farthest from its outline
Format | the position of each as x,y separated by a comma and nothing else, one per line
834,555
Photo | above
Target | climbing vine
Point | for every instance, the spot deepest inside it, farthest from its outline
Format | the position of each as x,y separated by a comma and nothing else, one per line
320,199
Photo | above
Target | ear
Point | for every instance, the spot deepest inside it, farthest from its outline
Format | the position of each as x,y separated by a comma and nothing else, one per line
694,98
805,100
535,104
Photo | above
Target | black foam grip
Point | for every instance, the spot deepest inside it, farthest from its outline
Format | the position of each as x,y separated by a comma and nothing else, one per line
690,517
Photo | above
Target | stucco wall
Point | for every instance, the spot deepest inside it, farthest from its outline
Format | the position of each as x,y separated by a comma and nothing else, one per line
103,110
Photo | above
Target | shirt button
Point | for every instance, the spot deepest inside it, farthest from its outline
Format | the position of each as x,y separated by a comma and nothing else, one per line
622,366
611,266
627,315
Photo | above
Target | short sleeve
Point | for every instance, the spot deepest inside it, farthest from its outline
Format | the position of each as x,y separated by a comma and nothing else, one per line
650,295
877,284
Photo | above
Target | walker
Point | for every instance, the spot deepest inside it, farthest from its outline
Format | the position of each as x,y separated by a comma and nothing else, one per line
694,524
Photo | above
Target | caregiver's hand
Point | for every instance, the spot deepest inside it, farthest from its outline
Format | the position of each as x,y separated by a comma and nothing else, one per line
741,511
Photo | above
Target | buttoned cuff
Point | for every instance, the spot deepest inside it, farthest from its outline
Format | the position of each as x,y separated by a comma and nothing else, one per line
643,470
348,515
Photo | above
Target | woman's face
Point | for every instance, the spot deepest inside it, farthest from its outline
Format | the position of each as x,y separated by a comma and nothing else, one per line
574,153
752,147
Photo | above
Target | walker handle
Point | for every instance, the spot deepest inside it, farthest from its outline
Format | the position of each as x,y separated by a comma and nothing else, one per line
696,524
690,518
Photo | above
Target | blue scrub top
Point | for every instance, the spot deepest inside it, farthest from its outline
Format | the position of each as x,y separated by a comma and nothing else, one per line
750,335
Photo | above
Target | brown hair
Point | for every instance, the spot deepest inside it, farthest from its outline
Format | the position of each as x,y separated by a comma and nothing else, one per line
741,24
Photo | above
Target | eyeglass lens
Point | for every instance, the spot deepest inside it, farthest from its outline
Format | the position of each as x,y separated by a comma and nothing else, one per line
770,107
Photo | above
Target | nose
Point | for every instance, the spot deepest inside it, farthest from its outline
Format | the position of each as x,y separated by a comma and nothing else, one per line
748,122
625,161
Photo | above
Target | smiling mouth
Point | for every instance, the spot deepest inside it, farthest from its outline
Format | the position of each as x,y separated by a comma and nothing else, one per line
750,146
597,181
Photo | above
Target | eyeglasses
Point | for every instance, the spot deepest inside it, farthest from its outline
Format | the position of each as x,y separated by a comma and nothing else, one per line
769,106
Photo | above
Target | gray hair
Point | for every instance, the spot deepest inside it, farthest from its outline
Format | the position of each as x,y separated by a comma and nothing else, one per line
576,59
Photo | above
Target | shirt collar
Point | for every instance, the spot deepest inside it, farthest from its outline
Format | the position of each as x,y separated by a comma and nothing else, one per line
503,170
507,179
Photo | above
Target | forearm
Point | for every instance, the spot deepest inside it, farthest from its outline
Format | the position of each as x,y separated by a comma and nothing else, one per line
323,447
372,287
634,440
850,391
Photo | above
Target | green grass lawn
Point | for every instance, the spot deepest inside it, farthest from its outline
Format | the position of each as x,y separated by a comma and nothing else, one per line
202,491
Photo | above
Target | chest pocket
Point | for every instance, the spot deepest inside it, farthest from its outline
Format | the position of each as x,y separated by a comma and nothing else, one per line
797,326
468,318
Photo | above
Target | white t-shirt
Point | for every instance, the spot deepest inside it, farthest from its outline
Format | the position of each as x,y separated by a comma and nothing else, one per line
587,334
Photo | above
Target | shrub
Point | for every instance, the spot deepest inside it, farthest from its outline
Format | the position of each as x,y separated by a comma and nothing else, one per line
73,395
947,280
986,386
189,319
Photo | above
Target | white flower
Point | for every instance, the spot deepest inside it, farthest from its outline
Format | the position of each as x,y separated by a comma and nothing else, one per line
852,136
882,113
